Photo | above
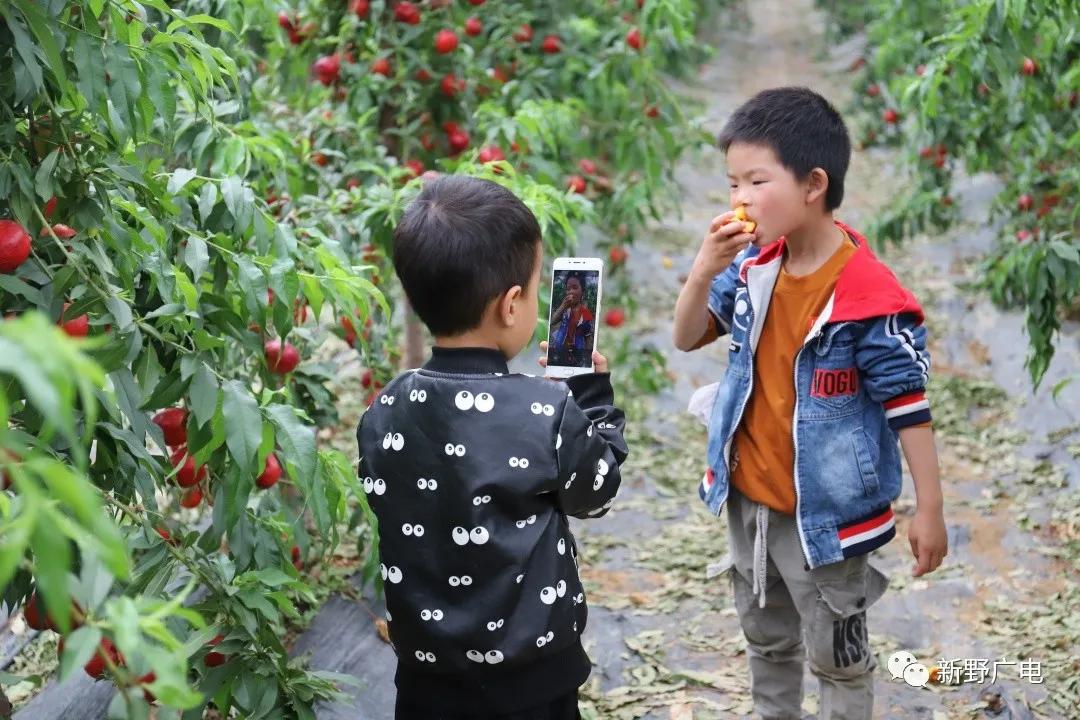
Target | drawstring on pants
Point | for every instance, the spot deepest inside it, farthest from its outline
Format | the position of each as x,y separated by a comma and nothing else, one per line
761,553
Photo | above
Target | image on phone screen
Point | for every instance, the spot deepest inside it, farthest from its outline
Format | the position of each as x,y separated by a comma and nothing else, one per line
572,324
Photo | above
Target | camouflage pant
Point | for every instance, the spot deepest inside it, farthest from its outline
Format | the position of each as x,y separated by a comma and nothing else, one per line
790,614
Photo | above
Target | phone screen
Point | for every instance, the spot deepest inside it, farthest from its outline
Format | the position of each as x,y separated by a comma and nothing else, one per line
572,324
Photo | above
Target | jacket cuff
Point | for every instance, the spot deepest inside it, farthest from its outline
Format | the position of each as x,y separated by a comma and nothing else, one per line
909,409
591,389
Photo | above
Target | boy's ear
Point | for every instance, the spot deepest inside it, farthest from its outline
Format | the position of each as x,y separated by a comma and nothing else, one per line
507,310
816,185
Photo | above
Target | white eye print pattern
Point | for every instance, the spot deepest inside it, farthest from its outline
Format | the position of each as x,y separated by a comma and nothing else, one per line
386,399
558,441
389,617
522,463
459,580
561,547
573,476
548,595
427,484
481,500
491,657
494,625
527,521
369,485
561,588
602,466
431,615
597,482
393,575
589,431
418,395
379,486
485,402
414,530
477,536
395,441
452,449
425,656
464,401
545,639
520,578
542,409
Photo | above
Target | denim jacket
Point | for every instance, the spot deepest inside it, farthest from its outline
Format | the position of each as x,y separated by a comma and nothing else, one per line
859,377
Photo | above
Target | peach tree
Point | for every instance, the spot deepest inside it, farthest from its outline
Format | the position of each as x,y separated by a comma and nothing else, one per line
194,198
979,87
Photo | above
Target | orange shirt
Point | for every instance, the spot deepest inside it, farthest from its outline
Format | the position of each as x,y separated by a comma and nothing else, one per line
763,454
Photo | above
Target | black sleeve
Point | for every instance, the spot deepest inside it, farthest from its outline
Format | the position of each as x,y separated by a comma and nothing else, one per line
590,447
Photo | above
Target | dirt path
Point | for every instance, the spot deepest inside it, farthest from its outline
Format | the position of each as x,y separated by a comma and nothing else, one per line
664,637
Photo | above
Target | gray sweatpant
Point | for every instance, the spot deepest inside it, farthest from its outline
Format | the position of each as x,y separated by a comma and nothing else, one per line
788,613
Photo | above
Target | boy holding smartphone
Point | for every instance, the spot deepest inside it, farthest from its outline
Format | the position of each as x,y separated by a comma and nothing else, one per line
572,325
472,471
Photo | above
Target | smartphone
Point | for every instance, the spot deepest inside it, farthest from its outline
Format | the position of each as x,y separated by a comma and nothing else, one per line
576,285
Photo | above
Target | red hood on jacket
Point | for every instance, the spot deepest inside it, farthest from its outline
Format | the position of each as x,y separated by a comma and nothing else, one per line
866,287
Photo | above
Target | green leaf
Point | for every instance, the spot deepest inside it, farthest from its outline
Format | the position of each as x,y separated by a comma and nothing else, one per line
196,255
162,95
179,178
188,22
43,179
25,49
52,558
79,647
186,288
232,190
244,421
203,394
207,199
120,311
39,25
297,440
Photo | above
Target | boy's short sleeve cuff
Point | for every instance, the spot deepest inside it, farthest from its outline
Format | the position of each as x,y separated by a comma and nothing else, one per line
721,327
910,408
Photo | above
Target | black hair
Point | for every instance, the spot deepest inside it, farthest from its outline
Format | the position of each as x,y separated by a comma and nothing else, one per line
801,127
574,276
462,242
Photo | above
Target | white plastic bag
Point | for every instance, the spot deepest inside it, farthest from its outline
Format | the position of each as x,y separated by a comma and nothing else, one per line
702,401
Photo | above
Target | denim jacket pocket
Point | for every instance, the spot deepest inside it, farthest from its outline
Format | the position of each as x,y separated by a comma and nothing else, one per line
860,445
834,384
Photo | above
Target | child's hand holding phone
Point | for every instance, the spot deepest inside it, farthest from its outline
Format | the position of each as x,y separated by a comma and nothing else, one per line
600,363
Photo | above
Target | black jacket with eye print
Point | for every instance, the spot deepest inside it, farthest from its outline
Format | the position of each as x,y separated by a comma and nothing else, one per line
471,472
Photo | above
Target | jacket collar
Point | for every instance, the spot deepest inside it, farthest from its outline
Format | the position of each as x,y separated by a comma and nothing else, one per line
466,361
866,287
